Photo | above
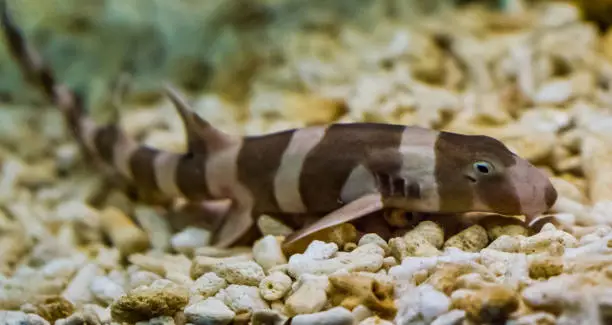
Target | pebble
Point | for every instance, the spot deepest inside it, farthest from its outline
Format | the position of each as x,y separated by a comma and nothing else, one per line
209,312
333,316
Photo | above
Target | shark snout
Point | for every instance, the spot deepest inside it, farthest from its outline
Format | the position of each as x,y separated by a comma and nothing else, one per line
536,192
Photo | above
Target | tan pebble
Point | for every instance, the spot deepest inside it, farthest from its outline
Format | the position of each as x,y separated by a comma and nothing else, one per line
52,308
588,263
428,230
544,267
411,246
37,175
340,235
350,291
148,263
12,249
471,281
275,286
307,108
546,238
508,244
345,233
243,318
278,306
396,218
444,276
148,302
471,239
235,252
270,226
488,305
309,295
124,234
349,247
240,272
499,225
597,161
376,239
389,262
205,264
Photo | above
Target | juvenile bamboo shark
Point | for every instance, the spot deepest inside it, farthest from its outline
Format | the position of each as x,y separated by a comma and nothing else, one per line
340,171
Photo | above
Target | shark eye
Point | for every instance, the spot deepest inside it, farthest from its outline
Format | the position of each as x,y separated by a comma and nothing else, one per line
483,167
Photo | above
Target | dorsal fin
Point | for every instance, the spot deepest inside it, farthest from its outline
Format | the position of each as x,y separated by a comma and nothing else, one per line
201,135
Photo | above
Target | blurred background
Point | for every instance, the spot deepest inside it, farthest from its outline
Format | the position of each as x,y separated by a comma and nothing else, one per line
224,46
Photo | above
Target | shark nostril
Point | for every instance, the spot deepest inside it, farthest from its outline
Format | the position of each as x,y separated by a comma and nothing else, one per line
550,195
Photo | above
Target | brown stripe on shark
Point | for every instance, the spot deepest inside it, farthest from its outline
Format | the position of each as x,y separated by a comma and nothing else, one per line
258,161
455,155
190,176
104,139
142,167
343,148
287,178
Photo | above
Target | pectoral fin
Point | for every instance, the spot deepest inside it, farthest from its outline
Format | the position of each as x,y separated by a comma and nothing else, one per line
353,210
238,223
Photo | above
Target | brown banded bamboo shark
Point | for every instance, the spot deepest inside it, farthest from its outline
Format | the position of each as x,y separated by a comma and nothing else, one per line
339,171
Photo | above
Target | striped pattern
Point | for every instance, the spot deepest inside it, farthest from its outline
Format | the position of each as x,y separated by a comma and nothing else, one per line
287,179
168,173
315,169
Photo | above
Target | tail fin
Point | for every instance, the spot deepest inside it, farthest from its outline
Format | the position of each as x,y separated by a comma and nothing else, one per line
150,170
38,74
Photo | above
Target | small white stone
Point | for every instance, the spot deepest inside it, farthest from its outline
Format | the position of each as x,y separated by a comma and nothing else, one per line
309,294
140,278
189,239
78,290
433,303
240,272
454,316
275,286
268,253
9,317
210,311
105,289
374,239
242,298
62,267
422,303
319,250
333,316
208,285
554,92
